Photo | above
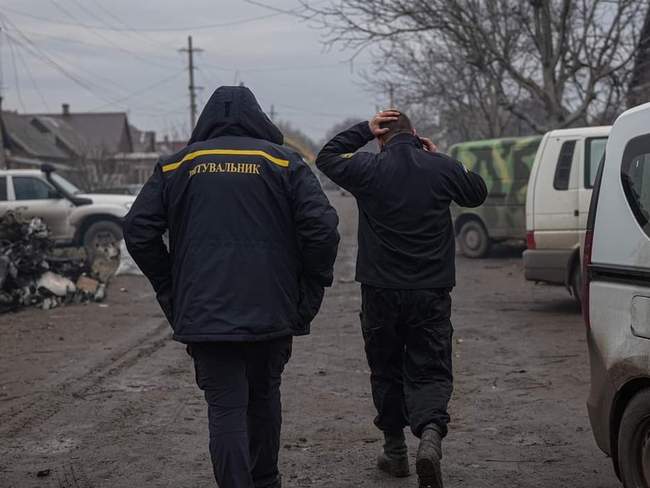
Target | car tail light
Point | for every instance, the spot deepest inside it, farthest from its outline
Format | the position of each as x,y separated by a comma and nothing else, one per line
530,240
586,278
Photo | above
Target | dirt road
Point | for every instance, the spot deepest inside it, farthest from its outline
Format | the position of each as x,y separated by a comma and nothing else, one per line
98,396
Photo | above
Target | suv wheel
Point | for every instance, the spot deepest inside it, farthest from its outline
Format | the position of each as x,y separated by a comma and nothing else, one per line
101,234
634,442
474,240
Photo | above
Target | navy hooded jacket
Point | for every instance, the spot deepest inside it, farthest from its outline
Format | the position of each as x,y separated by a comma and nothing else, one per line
252,236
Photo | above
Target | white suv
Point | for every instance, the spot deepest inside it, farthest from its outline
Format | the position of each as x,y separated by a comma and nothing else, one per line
73,217
617,298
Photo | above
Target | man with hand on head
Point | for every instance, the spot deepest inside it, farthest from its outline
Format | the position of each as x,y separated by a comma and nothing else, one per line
406,268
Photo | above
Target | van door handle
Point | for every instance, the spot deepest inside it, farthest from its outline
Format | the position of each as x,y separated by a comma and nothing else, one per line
576,213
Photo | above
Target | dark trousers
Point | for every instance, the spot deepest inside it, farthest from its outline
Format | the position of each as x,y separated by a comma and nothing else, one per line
241,382
408,342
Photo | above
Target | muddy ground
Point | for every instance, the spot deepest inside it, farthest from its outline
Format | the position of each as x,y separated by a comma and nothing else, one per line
98,396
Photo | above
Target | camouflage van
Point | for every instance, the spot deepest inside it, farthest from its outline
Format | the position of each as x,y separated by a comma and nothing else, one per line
505,166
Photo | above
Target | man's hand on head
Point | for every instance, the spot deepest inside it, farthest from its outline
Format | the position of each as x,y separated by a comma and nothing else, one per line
380,118
428,145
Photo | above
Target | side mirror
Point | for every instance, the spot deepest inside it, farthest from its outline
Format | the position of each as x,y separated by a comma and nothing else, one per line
54,194
80,201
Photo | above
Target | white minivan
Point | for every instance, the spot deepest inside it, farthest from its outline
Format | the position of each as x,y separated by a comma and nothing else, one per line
557,204
617,299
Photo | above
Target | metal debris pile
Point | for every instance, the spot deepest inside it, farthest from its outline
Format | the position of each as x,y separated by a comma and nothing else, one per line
35,274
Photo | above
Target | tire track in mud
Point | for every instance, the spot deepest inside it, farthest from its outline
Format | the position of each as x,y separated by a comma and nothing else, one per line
30,414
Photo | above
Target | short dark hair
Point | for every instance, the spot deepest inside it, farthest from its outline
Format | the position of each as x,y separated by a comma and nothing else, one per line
400,126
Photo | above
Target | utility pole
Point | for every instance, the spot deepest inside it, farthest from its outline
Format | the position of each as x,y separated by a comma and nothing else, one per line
190,50
272,113
3,159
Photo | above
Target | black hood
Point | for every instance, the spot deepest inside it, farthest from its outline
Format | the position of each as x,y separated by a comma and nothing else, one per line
234,111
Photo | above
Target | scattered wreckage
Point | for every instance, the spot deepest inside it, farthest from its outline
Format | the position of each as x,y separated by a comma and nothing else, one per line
35,273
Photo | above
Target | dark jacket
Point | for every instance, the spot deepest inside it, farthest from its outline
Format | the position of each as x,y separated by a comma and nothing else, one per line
406,236
252,236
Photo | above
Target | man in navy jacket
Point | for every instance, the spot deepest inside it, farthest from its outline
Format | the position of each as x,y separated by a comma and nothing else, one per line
405,265
252,243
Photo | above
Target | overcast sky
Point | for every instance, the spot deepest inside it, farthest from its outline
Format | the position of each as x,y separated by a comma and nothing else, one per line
122,55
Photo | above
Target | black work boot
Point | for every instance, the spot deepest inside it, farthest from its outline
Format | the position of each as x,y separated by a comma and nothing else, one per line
427,462
394,460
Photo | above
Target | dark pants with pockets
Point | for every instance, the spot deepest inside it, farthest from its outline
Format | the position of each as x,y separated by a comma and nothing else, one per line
241,382
408,342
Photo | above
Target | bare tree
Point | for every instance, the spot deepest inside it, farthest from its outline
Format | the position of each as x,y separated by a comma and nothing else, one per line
569,61
444,97
639,91
96,169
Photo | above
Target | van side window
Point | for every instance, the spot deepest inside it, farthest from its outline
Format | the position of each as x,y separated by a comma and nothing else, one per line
635,173
594,154
563,168
3,188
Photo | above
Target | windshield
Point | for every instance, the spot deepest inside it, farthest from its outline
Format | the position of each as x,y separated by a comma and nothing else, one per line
65,185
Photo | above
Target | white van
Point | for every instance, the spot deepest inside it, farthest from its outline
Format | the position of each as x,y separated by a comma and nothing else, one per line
557,204
617,299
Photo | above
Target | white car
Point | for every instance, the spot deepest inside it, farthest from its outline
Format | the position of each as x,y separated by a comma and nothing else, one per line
557,204
73,217
617,299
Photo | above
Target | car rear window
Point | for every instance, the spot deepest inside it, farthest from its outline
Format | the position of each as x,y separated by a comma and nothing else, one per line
563,168
3,188
594,152
635,174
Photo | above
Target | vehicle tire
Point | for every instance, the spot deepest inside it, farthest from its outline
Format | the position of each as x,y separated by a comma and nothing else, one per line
102,233
473,239
576,283
634,442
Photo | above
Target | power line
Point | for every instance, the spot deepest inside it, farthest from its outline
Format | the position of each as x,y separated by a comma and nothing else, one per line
16,80
142,90
2,28
119,21
41,54
21,58
311,112
38,36
87,84
38,53
93,30
145,29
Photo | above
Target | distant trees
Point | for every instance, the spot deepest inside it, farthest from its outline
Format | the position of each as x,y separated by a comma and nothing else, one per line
489,68
346,124
96,169
297,139
639,91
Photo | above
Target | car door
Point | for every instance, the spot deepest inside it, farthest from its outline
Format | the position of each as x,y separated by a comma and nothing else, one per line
35,197
556,195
